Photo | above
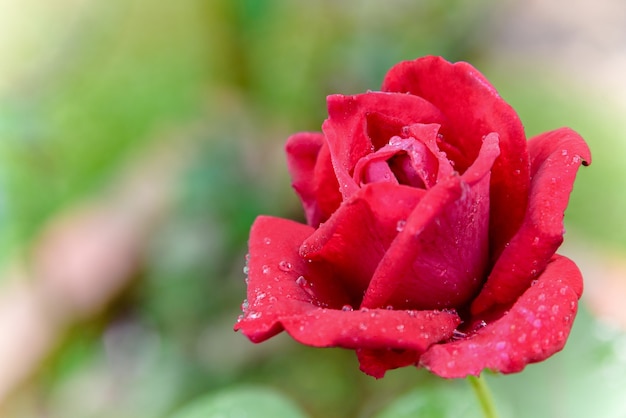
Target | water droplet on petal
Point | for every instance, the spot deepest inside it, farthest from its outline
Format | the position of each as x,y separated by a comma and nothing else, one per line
301,281
267,240
347,308
284,265
521,338
400,225
458,335
266,269
389,308
244,305
555,309
400,328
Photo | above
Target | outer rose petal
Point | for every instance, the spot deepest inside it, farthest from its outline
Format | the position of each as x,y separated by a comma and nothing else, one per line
377,362
313,179
535,327
473,109
347,132
280,282
555,157
278,300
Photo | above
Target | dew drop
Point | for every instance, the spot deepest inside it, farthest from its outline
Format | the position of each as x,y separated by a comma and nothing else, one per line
267,240
563,290
284,265
266,269
362,326
254,315
458,335
521,338
481,324
537,323
500,345
246,270
245,305
396,140
555,309
347,308
389,308
400,328
400,225
541,308
301,281
451,364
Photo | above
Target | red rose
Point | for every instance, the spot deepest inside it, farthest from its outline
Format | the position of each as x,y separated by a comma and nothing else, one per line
432,231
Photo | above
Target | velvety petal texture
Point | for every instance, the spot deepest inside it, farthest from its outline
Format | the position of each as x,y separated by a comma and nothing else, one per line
432,230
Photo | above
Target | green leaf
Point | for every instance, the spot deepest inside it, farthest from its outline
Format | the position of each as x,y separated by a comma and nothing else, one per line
251,402
449,399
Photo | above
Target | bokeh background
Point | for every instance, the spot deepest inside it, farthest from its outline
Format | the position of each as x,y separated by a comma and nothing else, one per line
139,139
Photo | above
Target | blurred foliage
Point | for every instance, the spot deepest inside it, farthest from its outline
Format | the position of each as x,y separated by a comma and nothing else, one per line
235,78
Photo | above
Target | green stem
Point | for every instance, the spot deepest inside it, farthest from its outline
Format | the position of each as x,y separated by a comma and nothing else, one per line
484,396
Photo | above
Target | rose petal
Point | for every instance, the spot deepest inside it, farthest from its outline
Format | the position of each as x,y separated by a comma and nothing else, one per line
412,161
535,327
346,128
555,157
376,362
473,109
438,260
356,237
313,179
280,282
371,329
277,300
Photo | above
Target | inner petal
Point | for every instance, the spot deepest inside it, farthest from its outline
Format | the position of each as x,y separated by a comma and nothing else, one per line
405,161
439,258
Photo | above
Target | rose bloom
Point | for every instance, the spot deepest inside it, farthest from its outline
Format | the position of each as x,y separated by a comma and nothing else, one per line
432,227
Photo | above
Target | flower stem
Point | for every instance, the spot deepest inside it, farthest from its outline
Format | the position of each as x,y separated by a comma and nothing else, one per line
484,396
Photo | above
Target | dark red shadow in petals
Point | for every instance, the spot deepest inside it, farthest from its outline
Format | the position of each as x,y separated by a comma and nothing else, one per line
327,188
346,128
535,327
439,258
280,282
356,237
313,179
473,109
556,157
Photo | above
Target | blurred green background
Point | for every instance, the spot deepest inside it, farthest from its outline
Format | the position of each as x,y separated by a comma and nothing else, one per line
139,140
